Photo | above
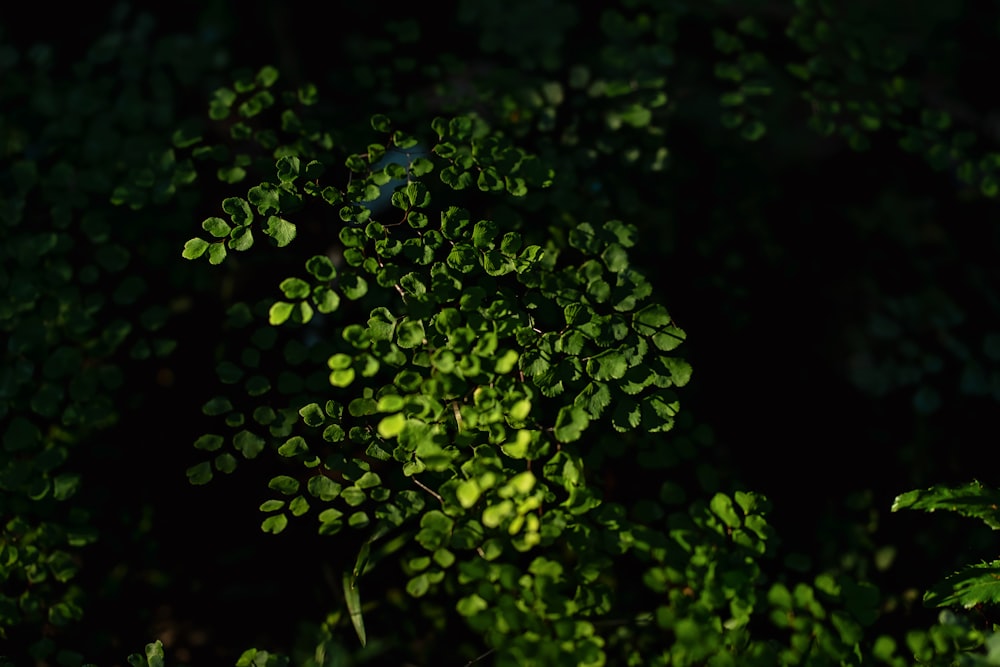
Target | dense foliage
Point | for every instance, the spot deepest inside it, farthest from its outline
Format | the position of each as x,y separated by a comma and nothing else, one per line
556,336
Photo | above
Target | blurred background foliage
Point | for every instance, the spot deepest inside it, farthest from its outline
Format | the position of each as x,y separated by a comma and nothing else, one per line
813,182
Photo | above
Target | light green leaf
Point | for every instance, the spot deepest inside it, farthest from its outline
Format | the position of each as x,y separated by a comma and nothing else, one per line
312,415
217,227
266,197
241,239
323,487
195,248
471,605
272,505
342,377
381,324
281,230
274,524
722,505
369,480
298,506
294,288
352,597
216,253
279,312
391,426
468,492
293,446
391,403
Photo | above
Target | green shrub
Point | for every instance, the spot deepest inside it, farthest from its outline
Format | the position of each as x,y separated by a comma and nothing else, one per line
445,346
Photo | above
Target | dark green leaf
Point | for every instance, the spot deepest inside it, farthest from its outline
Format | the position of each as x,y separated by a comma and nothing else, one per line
972,500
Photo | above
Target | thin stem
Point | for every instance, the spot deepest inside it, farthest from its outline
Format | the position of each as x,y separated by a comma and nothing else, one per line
484,655
428,489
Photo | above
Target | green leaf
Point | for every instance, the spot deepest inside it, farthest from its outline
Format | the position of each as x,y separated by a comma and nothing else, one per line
418,585
369,480
312,415
323,488
266,197
391,426
352,597
219,405
279,312
972,500
468,492
483,233
971,586
471,605
321,268
288,168
217,227
453,221
381,324
615,258
267,76
326,300
435,530
282,231
294,288
194,248
342,377
627,415
238,210
655,321
241,239
274,524
284,484
497,264
608,365
293,446
489,180
410,333
248,444
209,442
216,253
225,463
571,421
463,258
722,505
753,130
272,505
200,474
